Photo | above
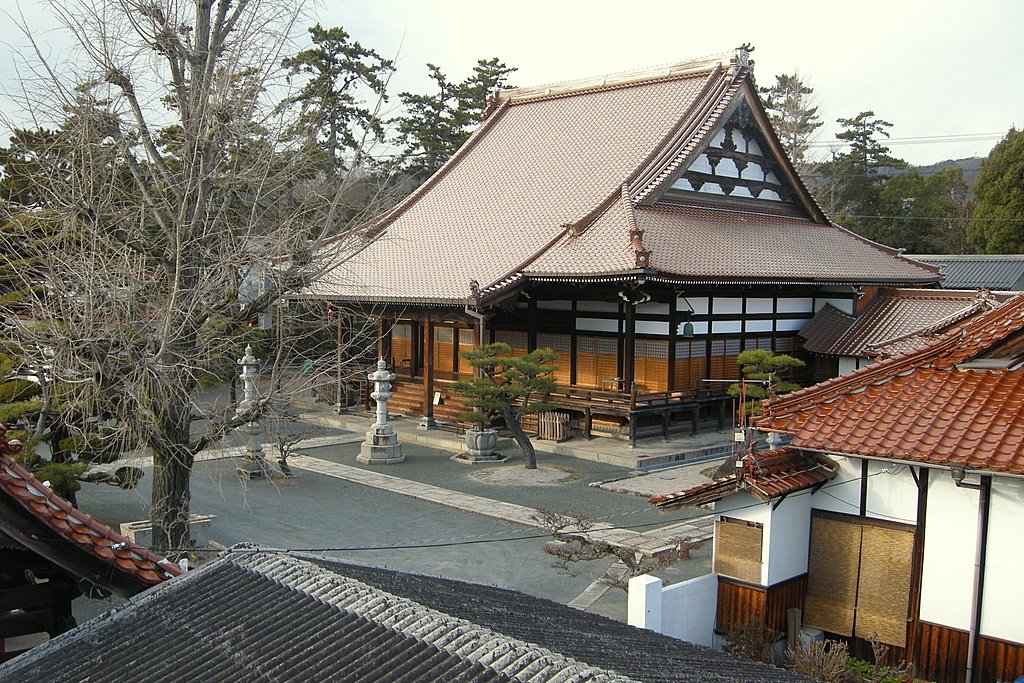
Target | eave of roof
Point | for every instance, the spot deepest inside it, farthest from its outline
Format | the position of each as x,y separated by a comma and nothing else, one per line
767,475
79,532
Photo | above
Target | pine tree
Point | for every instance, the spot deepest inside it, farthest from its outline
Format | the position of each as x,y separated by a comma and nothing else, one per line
790,106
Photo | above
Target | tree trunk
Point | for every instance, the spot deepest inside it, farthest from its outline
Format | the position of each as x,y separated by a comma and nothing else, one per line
525,445
169,511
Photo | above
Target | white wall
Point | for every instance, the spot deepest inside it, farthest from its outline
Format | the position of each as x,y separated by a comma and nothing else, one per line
892,492
1004,563
787,538
841,494
683,610
949,544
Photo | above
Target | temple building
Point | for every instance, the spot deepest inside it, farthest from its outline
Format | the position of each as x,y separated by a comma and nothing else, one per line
646,226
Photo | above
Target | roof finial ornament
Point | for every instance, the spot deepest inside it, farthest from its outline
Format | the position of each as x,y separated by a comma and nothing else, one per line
474,288
742,59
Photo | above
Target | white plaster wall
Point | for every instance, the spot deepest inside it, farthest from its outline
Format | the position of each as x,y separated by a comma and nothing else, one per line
728,304
684,610
844,305
791,325
760,305
1004,562
653,308
602,306
651,327
841,494
787,539
796,305
699,304
597,325
949,543
760,325
555,305
892,493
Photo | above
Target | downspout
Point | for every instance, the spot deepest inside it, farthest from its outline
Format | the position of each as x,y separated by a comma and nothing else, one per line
984,490
481,320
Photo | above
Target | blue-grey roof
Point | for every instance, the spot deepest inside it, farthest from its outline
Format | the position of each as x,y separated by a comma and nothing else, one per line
973,271
261,616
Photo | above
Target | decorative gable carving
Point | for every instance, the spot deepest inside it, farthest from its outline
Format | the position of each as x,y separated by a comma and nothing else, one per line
736,163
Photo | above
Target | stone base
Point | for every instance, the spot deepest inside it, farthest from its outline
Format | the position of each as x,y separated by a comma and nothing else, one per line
467,458
257,469
381,447
426,423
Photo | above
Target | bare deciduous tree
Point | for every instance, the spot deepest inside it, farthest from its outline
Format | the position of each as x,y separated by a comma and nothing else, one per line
178,211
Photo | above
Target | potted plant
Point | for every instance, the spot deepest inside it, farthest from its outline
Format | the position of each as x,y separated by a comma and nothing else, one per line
481,440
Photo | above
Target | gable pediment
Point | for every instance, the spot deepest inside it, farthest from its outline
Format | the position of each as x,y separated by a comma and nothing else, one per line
738,162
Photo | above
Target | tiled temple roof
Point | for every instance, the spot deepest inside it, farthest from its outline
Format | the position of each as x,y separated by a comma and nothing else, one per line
538,191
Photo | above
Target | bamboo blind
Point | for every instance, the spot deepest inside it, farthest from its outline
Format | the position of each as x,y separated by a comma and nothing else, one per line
738,550
883,591
832,570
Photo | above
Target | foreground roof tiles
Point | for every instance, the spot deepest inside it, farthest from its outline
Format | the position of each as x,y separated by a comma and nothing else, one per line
766,475
552,182
268,616
83,533
958,400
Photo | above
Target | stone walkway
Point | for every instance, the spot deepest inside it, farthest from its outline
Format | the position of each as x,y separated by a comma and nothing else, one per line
650,542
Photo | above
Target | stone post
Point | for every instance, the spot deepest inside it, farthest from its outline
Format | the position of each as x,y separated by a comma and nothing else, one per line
255,464
381,446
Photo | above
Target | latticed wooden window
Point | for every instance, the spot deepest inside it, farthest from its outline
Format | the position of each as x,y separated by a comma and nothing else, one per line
561,344
738,549
858,577
518,341
787,345
650,364
401,344
724,364
689,363
444,349
467,342
597,361
758,343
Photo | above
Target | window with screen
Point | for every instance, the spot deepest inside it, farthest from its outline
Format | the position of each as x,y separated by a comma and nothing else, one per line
561,345
467,342
401,344
650,364
689,364
724,363
444,349
597,361
518,341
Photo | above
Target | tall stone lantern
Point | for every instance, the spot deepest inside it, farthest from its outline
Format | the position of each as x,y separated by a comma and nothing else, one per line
255,463
381,446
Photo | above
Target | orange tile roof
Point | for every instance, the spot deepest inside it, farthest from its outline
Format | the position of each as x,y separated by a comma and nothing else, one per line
82,532
765,474
538,189
941,404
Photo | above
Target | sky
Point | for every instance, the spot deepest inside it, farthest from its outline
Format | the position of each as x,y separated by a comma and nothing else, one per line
944,73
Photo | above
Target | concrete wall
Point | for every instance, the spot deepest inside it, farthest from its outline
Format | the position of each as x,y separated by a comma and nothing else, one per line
787,539
683,610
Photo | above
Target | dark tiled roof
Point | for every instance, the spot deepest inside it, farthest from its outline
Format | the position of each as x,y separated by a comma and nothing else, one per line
77,534
276,617
826,328
538,187
766,475
898,321
972,271
956,400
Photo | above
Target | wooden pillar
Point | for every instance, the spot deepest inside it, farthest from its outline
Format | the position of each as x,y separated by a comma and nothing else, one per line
428,373
531,325
673,326
628,347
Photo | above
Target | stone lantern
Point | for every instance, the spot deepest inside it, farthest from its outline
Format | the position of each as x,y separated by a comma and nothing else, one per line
255,465
381,446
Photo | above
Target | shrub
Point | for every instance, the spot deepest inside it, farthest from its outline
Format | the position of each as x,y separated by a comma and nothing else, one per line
825,660
753,640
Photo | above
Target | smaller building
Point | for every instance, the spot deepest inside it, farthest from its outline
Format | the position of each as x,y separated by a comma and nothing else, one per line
894,513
